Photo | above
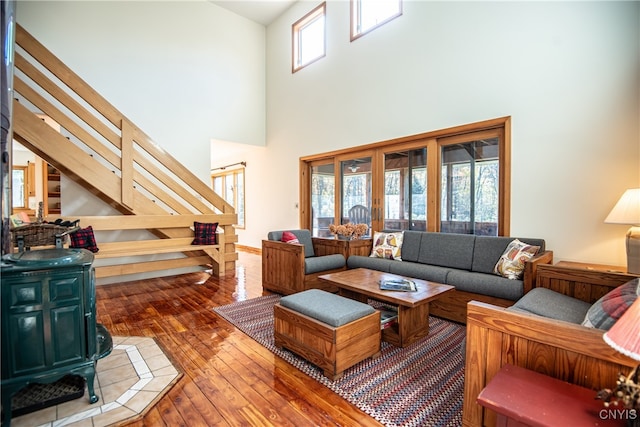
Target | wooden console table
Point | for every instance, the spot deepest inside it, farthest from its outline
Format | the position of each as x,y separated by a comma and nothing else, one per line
521,397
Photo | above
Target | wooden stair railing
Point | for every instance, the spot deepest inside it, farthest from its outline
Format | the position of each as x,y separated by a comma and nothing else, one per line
103,151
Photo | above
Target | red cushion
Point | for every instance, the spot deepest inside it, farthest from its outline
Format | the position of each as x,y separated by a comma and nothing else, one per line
289,237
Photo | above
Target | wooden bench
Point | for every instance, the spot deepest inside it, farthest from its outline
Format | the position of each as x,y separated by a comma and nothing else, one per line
122,255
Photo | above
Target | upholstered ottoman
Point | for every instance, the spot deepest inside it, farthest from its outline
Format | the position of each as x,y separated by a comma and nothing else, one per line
330,331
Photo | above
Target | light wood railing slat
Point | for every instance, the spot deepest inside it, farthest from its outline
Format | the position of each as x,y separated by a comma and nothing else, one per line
65,122
180,170
65,99
170,183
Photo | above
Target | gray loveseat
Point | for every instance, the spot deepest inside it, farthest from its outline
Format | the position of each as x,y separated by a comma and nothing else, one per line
461,260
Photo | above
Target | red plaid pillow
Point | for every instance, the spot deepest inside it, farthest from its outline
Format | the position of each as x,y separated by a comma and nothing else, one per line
205,233
84,239
609,308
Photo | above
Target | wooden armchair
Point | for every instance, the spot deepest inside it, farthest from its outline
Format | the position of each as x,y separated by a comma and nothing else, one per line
286,269
570,352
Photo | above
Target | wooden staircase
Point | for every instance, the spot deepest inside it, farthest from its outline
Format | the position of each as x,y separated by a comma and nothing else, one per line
105,153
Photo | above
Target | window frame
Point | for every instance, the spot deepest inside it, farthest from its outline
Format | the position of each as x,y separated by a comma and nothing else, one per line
25,187
234,174
296,29
356,18
433,142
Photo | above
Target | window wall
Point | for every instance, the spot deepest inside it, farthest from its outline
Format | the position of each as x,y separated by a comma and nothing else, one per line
454,180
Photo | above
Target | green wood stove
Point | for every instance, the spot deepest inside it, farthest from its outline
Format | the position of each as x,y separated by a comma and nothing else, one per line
49,326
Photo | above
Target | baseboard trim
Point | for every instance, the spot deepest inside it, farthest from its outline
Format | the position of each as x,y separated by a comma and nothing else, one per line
249,249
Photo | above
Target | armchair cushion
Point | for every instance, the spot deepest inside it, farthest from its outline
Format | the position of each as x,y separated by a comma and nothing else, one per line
304,237
323,263
551,304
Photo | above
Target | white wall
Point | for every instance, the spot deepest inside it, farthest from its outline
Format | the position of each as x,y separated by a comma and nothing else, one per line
567,73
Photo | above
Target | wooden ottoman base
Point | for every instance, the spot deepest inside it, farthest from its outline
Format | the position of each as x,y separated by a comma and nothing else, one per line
333,349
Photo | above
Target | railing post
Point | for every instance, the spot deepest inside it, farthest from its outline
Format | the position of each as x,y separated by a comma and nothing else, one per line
126,164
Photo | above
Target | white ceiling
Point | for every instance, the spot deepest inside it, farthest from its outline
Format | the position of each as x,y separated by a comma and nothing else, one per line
261,11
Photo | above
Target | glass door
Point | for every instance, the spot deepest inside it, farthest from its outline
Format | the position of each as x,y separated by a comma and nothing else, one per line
470,186
355,179
323,198
405,190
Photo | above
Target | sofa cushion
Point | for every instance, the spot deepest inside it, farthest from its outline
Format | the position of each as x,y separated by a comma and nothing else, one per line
609,308
554,305
326,307
387,245
488,249
432,273
512,262
486,284
316,264
447,250
380,264
411,245
304,237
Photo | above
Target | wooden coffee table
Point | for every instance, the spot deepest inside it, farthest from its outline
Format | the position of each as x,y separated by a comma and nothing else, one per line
413,307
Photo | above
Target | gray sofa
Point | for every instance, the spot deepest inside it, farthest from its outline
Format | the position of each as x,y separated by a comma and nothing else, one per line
461,260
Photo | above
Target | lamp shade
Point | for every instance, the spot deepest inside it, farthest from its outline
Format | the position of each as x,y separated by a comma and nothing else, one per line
624,335
627,210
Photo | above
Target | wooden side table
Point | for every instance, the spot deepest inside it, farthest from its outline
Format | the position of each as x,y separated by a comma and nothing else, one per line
597,268
522,397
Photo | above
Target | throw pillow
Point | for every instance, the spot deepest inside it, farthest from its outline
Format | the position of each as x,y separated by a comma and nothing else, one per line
511,262
84,239
608,309
205,233
387,245
289,237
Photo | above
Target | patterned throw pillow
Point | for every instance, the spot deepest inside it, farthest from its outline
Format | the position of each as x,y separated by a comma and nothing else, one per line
387,245
289,237
608,309
84,239
205,233
511,262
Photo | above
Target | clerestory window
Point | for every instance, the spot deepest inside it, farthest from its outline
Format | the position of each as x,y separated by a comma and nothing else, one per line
367,15
308,37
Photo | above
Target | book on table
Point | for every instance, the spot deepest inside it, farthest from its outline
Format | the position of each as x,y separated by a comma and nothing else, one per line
387,318
404,285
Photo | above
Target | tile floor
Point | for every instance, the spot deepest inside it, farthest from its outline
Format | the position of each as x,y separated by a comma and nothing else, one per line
128,381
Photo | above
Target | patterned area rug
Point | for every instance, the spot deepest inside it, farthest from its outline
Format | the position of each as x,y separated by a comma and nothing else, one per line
419,385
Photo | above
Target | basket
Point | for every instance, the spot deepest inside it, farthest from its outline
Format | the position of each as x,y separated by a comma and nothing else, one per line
26,236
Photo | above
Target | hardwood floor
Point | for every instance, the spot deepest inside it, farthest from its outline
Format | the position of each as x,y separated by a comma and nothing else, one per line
229,379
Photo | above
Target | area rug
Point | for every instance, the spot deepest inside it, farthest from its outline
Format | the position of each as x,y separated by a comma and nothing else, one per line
419,385
129,382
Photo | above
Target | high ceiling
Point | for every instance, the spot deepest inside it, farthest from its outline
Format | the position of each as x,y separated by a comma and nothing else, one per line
261,11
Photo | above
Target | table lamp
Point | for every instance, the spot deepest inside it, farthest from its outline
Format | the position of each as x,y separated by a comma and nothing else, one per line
627,211
624,336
